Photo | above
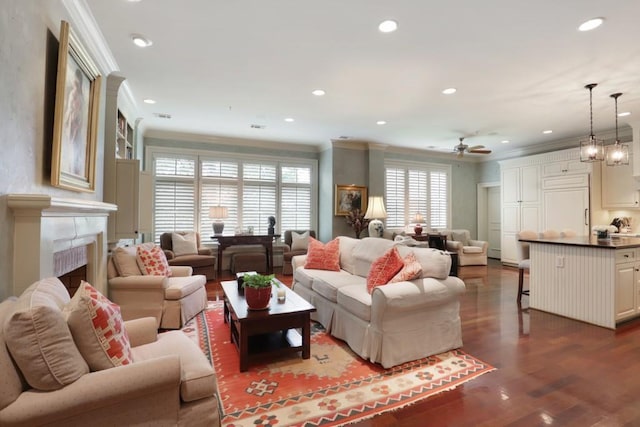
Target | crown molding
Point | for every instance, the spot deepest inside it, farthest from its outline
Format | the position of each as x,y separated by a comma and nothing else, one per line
223,140
89,33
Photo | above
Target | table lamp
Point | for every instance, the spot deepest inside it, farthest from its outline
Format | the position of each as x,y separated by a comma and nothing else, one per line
417,229
375,211
218,213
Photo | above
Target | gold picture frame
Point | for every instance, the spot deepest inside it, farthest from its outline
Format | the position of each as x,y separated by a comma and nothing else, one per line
75,125
349,197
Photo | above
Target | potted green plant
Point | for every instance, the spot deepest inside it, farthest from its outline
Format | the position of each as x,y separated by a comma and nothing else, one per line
257,290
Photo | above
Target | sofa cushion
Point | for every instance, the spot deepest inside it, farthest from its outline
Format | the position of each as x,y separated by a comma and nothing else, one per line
184,243
98,329
180,287
410,270
384,268
197,377
327,283
356,299
323,257
471,250
368,250
434,262
39,339
347,261
124,258
461,236
299,242
153,262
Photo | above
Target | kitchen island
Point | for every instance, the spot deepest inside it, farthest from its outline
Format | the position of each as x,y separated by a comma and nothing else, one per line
584,278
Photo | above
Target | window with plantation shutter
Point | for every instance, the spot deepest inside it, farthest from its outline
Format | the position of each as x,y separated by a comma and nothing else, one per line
295,198
252,190
417,188
174,190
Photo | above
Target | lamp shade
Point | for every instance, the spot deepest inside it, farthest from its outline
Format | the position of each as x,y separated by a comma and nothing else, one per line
418,218
375,208
218,212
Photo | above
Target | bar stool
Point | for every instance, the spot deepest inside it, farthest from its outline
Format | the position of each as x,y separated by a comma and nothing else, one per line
522,249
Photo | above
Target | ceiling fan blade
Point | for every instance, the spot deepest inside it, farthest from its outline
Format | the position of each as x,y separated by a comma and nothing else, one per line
476,147
480,151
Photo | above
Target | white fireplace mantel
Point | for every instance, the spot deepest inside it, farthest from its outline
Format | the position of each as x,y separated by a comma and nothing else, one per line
45,224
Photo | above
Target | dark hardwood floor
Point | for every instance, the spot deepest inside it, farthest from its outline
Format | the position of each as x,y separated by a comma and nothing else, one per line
550,370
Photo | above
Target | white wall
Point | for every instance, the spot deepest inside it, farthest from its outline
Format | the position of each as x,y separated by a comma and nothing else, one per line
28,54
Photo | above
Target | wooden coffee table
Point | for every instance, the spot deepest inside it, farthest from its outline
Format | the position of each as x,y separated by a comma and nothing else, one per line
259,334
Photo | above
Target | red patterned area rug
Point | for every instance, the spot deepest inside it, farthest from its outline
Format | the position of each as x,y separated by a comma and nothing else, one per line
333,388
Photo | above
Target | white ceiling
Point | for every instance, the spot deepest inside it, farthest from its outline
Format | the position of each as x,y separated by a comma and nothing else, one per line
520,67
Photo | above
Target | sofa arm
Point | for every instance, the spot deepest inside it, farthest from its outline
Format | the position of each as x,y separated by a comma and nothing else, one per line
479,243
181,270
110,391
141,331
414,295
205,251
298,261
454,246
169,254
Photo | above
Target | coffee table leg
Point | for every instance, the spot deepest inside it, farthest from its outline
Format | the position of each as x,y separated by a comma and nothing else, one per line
306,337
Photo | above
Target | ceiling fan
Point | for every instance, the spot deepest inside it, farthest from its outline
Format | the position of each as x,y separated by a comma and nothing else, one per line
461,148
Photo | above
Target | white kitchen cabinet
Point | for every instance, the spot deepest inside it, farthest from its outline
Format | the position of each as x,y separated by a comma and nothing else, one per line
627,284
619,187
520,206
565,167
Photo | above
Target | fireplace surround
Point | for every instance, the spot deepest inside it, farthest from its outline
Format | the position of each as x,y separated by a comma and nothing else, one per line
51,234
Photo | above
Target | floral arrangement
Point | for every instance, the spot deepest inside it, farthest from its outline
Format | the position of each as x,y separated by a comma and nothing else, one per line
355,218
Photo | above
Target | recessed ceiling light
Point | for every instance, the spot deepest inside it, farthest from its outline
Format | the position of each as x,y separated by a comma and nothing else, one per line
548,131
624,114
149,101
591,24
133,1
450,91
381,122
505,141
388,26
141,41
318,92
289,119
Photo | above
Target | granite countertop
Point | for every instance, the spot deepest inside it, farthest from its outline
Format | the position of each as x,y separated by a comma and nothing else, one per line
614,242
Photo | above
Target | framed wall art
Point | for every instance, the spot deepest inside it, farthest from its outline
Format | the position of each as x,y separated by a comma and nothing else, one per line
75,126
349,197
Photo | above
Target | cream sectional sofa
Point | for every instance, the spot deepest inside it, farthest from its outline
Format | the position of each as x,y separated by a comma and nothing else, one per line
398,322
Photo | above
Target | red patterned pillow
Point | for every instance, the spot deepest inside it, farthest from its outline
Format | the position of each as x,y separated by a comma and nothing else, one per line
98,329
323,257
410,270
384,268
153,262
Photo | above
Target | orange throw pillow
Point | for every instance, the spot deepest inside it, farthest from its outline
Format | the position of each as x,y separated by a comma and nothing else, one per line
410,270
323,257
384,268
153,262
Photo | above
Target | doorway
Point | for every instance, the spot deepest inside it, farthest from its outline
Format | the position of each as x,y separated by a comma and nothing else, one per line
489,219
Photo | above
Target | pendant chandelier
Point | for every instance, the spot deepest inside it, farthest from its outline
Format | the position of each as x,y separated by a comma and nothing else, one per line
591,149
617,154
